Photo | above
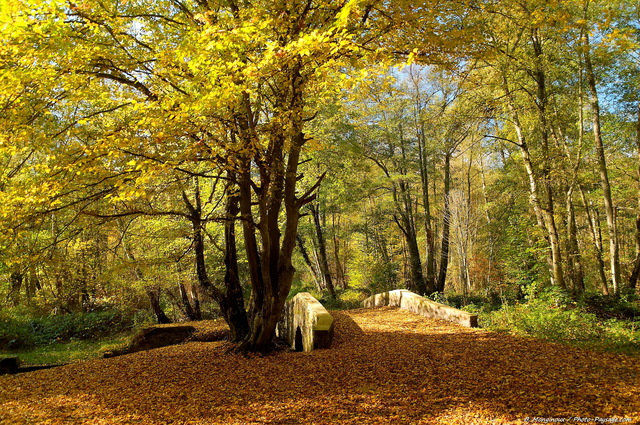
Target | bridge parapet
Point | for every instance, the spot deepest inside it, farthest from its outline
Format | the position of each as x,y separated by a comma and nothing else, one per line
407,300
306,324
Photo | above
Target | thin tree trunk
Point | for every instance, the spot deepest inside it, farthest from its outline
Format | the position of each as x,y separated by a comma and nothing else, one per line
468,238
340,272
614,253
154,299
489,222
16,278
308,262
446,225
549,211
189,298
322,251
152,292
430,278
573,251
635,272
596,234
406,224
544,216
195,299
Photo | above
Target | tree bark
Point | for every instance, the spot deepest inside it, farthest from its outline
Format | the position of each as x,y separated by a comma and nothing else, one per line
547,186
186,303
322,251
308,262
596,234
574,263
544,216
340,265
430,280
270,263
407,226
152,292
594,102
154,299
635,272
446,225
16,278
231,299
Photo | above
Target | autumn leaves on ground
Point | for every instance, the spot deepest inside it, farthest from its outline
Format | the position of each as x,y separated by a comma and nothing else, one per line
386,366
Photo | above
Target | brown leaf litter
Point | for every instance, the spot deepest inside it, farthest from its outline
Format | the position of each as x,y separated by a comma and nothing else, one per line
386,366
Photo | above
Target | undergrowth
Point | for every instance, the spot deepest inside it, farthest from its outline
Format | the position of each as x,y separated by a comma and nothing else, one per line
68,352
594,321
23,332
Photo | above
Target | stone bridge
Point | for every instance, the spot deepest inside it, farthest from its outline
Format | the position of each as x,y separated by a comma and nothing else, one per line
306,324
407,300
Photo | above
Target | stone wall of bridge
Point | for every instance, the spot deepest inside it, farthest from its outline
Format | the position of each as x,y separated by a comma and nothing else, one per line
415,303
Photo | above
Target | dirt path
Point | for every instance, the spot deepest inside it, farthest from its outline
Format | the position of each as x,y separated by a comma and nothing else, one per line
386,366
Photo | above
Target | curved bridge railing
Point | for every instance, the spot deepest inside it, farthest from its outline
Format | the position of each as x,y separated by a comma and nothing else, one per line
407,300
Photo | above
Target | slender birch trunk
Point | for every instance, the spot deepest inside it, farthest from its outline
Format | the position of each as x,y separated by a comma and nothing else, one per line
614,249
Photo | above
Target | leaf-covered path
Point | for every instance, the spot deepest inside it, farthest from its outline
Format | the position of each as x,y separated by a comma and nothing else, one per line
386,366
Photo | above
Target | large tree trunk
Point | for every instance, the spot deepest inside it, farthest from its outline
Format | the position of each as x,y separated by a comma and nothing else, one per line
231,299
270,266
270,263
154,299
234,296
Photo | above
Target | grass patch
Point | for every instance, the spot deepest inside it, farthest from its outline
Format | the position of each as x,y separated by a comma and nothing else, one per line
19,332
67,352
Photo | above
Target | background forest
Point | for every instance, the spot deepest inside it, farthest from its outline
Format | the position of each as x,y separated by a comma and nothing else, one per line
493,164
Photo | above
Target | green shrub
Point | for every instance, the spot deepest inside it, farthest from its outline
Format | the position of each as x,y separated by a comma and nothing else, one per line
345,299
550,315
625,307
621,336
15,335
439,297
374,274
542,319
352,298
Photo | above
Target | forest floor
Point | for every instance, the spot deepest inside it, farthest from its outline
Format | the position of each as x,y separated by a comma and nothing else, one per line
386,366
